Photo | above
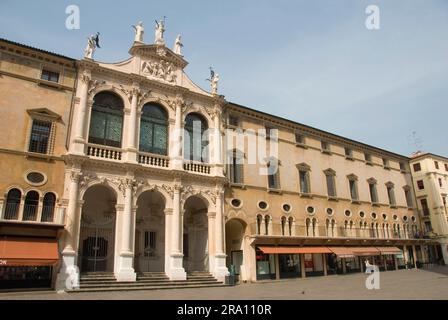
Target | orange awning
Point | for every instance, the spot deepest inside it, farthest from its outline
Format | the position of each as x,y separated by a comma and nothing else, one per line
389,250
294,250
365,251
16,251
342,252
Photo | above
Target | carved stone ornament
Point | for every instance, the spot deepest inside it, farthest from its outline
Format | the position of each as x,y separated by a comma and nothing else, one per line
94,84
163,70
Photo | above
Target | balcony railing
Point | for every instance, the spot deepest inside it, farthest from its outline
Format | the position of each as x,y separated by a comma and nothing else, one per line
198,167
154,160
30,212
276,229
104,152
49,214
11,211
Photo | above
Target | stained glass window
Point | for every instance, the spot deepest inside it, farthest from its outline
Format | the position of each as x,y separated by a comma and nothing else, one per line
196,138
106,123
154,129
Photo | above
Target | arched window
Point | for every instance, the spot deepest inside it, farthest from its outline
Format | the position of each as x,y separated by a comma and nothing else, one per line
31,204
290,225
48,207
196,138
106,122
283,226
12,204
308,227
314,225
154,129
259,222
267,220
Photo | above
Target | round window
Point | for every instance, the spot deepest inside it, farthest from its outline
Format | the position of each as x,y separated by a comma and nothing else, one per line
262,205
413,219
236,203
395,217
329,211
286,207
310,210
347,213
35,178
362,214
384,216
373,215
405,218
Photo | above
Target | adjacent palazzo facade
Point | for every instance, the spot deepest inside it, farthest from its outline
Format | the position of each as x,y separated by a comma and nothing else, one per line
144,182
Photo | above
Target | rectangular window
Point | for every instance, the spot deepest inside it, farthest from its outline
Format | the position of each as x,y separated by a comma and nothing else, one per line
304,181
420,185
402,166
300,139
417,167
428,226
368,158
436,164
325,146
349,153
331,187
386,163
273,179
373,193
440,183
40,136
425,207
234,121
391,195
236,170
50,76
408,195
353,189
446,166
150,244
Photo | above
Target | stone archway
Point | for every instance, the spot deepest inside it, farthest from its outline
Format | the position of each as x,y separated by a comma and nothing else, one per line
97,233
235,232
195,235
149,252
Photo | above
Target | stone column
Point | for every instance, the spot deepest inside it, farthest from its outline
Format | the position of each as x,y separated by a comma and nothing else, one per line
131,145
176,271
324,261
176,141
126,271
69,269
414,255
2,214
396,262
39,209
78,141
344,266
302,265
217,143
406,256
277,267
221,270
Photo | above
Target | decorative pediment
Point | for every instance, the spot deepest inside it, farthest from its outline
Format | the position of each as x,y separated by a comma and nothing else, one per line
153,52
44,113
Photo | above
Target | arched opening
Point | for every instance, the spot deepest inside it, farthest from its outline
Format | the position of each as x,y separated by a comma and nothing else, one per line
283,220
196,138
154,129
106,121
48,207
235,231
291,226
12,204
31,204
259,223
195,235
150,233
96,240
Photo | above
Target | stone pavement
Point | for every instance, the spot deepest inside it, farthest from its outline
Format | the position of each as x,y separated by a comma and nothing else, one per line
401,284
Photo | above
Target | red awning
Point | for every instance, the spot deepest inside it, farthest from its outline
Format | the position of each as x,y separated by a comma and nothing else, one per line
365,251
15,251
389,250
294,250
342,252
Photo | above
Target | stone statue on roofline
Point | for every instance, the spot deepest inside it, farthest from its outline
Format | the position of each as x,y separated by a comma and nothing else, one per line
92,43
160,29
139,31
178,45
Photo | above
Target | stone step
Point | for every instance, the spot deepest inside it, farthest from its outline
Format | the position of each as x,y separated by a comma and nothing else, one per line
150,282
130,288
145,284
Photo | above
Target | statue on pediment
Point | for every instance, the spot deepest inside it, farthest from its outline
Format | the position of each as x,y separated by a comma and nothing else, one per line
214,79
178,45
92,43
160,29
139,31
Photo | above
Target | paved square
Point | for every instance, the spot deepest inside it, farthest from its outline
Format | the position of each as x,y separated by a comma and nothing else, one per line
402,284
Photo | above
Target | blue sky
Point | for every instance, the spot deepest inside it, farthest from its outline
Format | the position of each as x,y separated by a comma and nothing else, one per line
313,62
